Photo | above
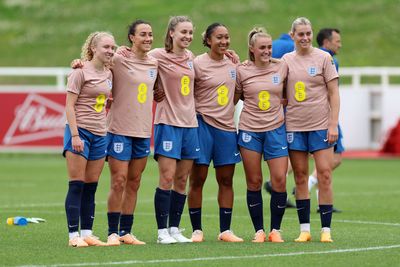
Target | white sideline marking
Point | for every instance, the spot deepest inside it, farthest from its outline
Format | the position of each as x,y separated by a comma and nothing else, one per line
148,200
300,253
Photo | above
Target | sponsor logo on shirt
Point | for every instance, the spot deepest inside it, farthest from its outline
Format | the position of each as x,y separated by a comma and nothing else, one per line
290,137
152,74
118,147
167,146
312,71
276,79
232,74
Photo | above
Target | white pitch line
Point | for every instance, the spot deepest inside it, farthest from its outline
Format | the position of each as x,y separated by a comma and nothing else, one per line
300,253
61,204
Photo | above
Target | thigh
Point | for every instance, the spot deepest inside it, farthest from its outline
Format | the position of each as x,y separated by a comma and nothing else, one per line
251,163
299,162
183,168
166,167
118,167
136,168
76,166
323,159
278,167
93,170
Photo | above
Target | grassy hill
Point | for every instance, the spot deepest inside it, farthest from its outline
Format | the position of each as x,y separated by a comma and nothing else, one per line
50,33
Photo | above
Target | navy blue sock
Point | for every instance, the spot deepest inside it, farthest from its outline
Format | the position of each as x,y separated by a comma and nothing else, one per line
325,212
255,206
125,224
88,205
162,199
225,218
303,210
195,218
277,206
176,208
73,204
113,221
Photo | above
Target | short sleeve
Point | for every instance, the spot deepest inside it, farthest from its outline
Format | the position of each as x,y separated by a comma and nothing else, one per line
75,81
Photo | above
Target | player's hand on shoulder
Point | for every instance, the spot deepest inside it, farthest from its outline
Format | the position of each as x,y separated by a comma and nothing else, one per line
77,63
123,51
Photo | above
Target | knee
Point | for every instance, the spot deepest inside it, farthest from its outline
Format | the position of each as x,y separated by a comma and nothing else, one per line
166,182
180,182
197,183
324,178
301,179
254,184
133,184
279,183
118,183
225,182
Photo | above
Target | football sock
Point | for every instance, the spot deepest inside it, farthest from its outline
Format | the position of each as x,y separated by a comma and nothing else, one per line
113,221
225,218
325,213
162,200
277,206
125,224
88,205
195,218
73,204
255,206
176,208
303,210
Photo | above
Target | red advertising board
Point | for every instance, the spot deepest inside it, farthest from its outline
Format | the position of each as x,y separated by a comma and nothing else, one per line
32,120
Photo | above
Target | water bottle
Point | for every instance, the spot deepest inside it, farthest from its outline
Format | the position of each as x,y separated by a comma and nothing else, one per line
17,221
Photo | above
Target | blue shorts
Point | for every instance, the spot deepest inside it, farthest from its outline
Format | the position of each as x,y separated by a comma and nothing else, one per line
176,142
126,148
217,145
339,148
308,141
272,143
94,148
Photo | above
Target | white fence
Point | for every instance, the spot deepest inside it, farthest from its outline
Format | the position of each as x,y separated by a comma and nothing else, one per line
368,111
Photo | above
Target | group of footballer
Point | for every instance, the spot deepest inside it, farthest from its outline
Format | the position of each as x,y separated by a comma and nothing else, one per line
290,109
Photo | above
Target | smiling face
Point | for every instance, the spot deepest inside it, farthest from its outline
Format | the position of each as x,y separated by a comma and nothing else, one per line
103,49
142,38
219,40
182,36
302,37
262,50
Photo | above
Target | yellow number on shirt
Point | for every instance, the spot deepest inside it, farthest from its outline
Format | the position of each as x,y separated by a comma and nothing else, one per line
185,89
100,101
264,103
300,94
142,93
223,95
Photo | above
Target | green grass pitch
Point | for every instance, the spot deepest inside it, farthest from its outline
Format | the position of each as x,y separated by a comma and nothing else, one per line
365,234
